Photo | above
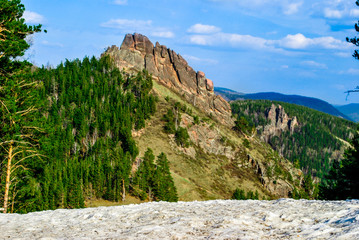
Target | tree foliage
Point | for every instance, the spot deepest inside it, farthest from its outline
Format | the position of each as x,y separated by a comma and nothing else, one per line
154,181
312,146
342,182
19,116
13,32
355,40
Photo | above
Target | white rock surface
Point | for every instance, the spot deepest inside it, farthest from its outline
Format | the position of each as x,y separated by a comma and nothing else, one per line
218,219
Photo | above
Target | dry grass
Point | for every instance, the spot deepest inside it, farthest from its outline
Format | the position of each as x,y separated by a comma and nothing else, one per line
207,176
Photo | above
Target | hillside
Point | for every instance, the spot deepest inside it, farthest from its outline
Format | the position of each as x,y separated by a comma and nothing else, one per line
138,124
280,219
215,162
309,138
351,110
314,103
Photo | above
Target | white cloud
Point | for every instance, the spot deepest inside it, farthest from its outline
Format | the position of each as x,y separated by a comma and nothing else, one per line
203,29
299,41
163,34
232,39
292,8
314,64
33,17
351,71
333,13
142,26
354,12
120,2
127,24
47,43
294,42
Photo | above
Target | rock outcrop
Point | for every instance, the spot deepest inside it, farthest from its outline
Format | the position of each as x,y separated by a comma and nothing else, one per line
279,122
170,69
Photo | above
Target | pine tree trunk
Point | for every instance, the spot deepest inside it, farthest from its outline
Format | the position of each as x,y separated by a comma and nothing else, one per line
123,191
7,182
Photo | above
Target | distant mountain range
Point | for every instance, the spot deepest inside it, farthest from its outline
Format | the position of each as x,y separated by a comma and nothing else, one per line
351,110
310,102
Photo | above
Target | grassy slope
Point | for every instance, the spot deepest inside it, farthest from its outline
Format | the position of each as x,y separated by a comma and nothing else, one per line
208,176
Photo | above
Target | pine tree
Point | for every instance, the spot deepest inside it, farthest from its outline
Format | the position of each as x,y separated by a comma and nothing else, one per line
164,187
18,106
342,182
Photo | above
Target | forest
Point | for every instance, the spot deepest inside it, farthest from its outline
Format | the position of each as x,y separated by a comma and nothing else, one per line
314,144
85,113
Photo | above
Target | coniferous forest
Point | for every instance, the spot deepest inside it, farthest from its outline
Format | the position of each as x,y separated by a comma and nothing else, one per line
313,145
86,111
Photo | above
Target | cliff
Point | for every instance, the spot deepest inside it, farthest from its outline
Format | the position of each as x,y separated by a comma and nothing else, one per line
279,122
167,67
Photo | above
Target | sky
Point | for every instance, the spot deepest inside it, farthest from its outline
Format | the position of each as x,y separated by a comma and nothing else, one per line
287,46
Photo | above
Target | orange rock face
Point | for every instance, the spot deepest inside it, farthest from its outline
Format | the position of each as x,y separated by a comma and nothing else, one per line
170,69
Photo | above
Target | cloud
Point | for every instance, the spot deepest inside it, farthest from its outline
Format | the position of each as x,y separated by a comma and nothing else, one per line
33,17
203,29
163,34
333,13
290,42
127,24
229,39
120,2
286,7
143,26
292,8
338,9
50,44
351,71
314,64
299,41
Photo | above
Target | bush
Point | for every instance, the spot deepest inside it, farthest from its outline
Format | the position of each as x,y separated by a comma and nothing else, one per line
182,137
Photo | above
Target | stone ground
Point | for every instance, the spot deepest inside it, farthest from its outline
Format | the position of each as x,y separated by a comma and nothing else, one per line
217,219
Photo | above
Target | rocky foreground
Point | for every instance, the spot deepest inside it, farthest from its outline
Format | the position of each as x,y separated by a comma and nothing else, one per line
219,219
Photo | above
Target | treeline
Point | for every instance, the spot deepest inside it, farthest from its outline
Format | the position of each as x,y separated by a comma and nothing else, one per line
312,146
87,111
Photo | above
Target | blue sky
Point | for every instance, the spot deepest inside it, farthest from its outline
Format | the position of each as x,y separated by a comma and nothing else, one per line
287,46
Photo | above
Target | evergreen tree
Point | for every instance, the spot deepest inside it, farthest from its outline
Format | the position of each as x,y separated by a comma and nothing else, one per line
355,40
19,131
164,187
342,182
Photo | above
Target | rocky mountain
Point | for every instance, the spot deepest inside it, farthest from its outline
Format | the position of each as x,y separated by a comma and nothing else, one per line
314,103
217,159
167,67
351,110
278,122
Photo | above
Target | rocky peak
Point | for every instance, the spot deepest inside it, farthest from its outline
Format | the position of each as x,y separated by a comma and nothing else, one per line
279,122
170,69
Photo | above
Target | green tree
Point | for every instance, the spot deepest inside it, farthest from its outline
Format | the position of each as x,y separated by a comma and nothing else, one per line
182,137
164,186
355,41
13,32
18,107
342,182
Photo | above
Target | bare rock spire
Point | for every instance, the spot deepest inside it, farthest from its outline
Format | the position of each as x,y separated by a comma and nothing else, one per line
167,67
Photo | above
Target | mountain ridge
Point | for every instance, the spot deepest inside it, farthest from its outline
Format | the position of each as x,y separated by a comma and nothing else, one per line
311,102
